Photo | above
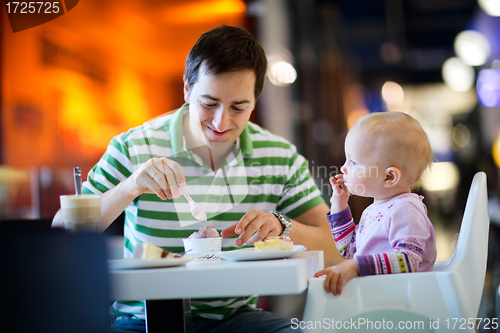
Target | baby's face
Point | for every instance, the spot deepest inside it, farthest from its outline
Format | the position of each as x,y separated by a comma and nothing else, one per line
363,173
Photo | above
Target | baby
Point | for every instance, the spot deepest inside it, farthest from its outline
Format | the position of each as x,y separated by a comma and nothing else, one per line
386,154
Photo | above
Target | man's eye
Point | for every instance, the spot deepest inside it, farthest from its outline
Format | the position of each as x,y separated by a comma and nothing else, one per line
237,109
209,106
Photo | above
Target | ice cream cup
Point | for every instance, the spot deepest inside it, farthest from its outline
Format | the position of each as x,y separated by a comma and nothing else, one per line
203,248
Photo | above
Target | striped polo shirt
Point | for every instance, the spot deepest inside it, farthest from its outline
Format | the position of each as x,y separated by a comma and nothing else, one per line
263,171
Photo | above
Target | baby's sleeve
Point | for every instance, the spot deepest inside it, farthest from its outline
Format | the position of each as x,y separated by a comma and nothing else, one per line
344,232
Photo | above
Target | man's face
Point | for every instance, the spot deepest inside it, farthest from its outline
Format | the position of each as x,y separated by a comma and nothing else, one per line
221,104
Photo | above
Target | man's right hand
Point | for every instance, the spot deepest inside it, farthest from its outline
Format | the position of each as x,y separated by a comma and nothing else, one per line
160,176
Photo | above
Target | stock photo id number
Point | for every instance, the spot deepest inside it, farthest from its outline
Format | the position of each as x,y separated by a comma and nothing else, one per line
28,14
31,7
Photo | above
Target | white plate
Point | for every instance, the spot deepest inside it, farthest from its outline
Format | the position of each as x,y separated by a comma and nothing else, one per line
129,263
250,253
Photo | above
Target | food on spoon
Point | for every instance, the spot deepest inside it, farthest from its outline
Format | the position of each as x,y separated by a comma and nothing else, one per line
150,251
275,243
205,232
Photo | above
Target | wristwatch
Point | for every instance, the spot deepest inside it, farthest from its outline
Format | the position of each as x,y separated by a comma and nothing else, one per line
284,221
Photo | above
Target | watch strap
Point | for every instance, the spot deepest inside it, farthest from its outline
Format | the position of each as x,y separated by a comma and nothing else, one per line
284,221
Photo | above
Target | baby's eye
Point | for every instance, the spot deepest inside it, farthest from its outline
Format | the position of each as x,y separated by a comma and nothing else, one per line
352,162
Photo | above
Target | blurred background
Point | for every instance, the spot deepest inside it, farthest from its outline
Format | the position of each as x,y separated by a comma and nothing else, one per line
68,86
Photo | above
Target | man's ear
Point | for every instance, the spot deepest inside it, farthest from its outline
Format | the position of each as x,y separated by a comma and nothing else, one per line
392,176
186,89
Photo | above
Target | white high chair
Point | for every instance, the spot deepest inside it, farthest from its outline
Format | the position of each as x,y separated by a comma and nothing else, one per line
446,299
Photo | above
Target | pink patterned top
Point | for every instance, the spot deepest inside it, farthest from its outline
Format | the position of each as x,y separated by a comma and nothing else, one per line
393,237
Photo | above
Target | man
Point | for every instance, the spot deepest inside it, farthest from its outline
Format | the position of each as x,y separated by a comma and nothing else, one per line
236,170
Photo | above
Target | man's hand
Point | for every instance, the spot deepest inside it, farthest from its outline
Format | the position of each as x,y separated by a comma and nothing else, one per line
338,275
254,226
340,194
160,176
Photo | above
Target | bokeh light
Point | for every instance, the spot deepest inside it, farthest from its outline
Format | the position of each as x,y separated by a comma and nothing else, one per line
390,52
488,87
461,136
392,93
441,176
457,75
203,11
281,73
496,151
472,47
353,116
491,7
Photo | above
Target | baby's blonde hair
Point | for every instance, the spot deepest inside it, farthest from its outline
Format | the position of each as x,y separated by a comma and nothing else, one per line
400,141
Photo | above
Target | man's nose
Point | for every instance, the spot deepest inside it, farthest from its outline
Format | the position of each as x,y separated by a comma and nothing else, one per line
221,120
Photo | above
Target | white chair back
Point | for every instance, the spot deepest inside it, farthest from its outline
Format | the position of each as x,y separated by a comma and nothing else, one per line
469,260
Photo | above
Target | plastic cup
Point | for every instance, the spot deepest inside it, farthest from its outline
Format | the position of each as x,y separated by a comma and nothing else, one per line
81,212
203,248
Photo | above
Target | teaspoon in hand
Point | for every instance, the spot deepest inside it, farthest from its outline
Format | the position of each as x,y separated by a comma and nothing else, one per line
196,209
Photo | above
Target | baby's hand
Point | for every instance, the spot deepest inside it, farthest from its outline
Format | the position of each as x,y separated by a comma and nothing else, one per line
337,276
340,194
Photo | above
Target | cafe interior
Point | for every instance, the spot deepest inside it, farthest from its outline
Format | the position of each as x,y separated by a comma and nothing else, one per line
70,85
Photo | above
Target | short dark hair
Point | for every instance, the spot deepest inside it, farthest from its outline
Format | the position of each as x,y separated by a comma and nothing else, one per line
227,49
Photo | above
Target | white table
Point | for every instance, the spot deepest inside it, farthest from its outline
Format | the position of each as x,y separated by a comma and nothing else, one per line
213,279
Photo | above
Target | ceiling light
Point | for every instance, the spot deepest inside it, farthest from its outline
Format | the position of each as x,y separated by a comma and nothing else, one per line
472,47
457,75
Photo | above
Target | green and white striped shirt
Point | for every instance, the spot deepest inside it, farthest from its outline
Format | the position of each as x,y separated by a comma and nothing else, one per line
263,172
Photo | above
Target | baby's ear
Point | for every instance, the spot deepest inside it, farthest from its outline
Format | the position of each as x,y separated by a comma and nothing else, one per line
392,176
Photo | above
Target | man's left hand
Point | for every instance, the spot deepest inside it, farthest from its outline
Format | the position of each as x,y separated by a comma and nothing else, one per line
254,226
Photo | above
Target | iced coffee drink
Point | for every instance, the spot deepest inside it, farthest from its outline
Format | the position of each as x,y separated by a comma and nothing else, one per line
81,212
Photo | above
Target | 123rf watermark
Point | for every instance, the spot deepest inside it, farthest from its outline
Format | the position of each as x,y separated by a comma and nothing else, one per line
364,324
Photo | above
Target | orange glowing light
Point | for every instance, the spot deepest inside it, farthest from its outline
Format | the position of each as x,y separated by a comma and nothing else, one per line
204,11
355,115
496,152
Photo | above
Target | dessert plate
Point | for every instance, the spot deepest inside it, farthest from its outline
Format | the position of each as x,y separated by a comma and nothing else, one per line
130,263
251,254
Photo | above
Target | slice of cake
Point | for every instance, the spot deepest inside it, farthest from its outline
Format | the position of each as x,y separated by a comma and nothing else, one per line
274,243
150,251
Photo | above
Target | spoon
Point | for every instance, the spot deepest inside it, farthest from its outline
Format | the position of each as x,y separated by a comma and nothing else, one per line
178,255
196,209
77,175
